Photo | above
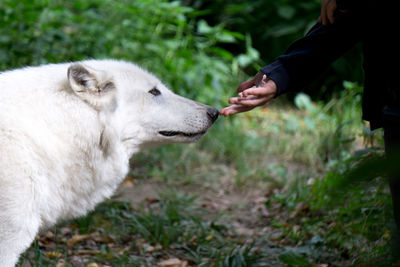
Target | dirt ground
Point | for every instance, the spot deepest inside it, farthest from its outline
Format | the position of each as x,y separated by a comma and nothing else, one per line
243,209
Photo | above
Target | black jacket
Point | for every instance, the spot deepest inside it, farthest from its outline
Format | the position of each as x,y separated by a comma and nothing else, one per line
372,22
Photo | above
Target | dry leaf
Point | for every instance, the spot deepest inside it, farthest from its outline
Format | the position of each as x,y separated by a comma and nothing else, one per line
49,235
93,264
66,231
76,239
173,263
301,208
276,236
87,252
152,200
104,239
121,251
264,211
260,200
151,249
60,263
53,255
128,182
211,205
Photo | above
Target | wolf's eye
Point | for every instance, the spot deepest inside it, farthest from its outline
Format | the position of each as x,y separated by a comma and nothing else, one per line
155,91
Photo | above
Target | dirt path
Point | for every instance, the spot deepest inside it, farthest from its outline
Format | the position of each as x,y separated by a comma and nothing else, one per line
242,209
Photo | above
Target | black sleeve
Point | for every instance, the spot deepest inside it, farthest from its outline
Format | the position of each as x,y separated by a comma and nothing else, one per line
348,4
308,57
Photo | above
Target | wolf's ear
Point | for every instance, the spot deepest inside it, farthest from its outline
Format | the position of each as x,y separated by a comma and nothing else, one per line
92,86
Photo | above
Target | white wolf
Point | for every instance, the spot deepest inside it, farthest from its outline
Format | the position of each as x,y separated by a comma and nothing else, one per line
67,132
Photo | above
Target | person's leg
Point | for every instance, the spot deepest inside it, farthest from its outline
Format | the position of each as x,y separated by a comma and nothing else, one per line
392,148
395,190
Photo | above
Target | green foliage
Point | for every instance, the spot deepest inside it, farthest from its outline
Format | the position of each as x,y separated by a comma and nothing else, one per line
294,259
273,25
351,219
162,36
171,223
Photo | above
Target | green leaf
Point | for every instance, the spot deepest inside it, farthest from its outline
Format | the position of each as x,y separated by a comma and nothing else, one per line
286,12
244,60
225,37
303,101
204,28
294,259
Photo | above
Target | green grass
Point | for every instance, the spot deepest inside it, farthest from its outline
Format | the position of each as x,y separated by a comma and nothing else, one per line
172,224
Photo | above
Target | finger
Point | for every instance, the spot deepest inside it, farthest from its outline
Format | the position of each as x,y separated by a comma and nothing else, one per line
266,88
323,13
245,85
258,78
236,100
331,11
258,91
264,79
250,83
254,102
234,109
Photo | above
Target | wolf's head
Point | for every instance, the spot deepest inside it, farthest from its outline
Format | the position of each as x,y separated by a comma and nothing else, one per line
142,111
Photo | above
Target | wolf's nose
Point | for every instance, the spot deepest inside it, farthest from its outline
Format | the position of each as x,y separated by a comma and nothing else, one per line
212,113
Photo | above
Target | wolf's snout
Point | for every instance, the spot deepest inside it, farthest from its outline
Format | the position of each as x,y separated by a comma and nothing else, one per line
212,113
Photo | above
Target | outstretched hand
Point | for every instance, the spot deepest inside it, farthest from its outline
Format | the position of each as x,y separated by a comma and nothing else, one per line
255,92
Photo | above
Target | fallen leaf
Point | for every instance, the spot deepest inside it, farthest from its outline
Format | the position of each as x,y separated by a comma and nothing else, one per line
276,236
66,231
211,205
49,235
296,229
151,249
93,264
47,240
301,208
260,200
87,252
104,239
150,200
174,262
264,211
60,263
76,239
128,182
140,241
121,251
53,255
193,239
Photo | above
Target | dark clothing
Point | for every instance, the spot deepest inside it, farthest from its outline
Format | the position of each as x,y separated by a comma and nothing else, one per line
374,23
392,147
371,22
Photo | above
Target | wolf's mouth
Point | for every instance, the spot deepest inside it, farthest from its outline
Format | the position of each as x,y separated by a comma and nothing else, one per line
174,133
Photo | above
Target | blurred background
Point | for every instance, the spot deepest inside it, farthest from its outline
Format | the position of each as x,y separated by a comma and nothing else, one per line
261,189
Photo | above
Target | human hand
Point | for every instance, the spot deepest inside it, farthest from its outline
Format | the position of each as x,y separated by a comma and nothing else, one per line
328,9
255,92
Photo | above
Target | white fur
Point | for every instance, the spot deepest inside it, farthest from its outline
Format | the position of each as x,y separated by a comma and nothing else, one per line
67,132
